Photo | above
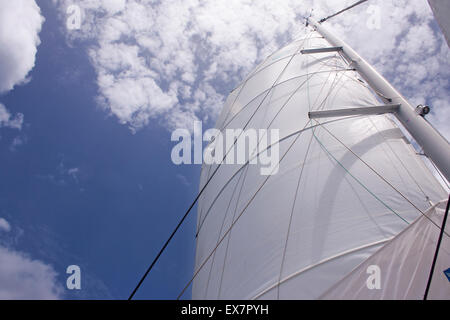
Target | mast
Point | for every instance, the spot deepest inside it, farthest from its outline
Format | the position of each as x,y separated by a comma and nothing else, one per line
435,146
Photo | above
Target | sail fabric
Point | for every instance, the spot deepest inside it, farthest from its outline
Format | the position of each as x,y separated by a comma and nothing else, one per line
405,265
441,10
345,186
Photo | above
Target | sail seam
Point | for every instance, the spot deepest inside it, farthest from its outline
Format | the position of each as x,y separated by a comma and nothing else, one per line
297,273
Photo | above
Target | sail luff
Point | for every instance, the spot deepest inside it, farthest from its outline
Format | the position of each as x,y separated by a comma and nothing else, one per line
435,146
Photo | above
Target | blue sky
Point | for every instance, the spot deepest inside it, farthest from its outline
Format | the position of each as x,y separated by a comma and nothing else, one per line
111,216
87,179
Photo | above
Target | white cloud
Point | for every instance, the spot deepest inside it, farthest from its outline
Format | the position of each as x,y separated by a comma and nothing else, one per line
176,60
20,24
6,120
4,225
24,278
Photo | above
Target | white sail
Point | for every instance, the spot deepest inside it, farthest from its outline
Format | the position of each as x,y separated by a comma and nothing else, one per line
441,10
345,186
405,263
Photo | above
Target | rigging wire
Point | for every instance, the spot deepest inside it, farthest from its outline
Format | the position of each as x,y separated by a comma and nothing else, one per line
441,234
343,10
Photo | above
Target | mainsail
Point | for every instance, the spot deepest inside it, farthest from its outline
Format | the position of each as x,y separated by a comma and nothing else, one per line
346,187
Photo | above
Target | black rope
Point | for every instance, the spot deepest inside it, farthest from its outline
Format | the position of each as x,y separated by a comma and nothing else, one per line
348,8
444,222
165,246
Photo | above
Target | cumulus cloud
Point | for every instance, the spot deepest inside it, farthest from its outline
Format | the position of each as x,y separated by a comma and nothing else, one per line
176,61
20,24
24,278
